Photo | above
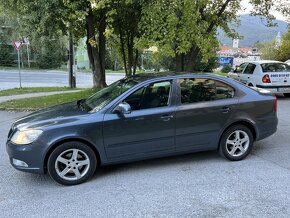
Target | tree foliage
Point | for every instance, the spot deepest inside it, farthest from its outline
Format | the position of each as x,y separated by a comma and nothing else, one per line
283,53
183,30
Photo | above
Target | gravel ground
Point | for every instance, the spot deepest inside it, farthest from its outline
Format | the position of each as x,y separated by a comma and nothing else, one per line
195,185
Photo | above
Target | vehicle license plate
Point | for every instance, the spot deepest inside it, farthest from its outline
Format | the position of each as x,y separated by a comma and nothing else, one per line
287,89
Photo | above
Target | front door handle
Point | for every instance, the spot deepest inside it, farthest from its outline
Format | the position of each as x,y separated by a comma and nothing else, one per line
166,117
225,110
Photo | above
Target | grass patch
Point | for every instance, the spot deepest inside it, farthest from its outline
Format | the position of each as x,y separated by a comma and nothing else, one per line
220,73
19,91
35,103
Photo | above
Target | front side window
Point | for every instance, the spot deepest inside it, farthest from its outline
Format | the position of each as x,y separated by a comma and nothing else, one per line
239,69
151,96
103,97
202,89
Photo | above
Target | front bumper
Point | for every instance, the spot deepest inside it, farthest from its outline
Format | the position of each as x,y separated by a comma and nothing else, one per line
30,154
275,89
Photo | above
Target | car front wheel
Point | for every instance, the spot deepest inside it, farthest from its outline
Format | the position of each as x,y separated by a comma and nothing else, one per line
72,163
236,143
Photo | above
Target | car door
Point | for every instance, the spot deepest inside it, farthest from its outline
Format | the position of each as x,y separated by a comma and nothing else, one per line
205,107
246,76
149,128
236,74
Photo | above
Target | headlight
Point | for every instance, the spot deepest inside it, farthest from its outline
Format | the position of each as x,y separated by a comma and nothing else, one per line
23,137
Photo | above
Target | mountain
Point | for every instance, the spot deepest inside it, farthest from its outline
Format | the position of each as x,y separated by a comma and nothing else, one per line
253,29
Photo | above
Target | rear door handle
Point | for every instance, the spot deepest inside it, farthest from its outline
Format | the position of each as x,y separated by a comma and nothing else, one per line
225,110
139,118
166,117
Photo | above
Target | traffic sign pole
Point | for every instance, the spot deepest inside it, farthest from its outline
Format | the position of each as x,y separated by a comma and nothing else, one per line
19,69
17,45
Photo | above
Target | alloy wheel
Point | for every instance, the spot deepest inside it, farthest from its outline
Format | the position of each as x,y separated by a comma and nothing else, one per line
72,164
237,143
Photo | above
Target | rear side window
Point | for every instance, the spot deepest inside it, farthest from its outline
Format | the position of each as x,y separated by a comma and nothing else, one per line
275,67
202,89
250,69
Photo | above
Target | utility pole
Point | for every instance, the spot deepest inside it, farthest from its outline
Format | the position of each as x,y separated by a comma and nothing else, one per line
26,40
72,78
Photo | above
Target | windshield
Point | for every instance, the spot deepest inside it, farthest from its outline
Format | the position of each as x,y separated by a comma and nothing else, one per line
103,97
275,67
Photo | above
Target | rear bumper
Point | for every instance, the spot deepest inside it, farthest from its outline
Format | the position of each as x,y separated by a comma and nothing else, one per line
275,89
267,128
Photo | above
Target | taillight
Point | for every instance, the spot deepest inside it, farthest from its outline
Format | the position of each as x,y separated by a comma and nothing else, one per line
266,79
275,104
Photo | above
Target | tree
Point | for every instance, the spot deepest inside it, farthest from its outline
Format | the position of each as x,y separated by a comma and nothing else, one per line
124,22
283,52
78,18
187,30
268,50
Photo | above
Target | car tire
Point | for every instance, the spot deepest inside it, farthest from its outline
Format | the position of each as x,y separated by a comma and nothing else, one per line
287,95
72,163
236,143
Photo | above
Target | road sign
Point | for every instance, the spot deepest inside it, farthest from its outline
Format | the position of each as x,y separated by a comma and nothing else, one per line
17,45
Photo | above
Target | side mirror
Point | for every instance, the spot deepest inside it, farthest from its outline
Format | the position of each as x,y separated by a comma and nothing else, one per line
122,108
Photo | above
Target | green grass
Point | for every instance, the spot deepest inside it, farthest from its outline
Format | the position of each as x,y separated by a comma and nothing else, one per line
220,73
35,103
19,91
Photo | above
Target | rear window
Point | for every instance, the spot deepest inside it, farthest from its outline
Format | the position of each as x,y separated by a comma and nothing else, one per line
275,67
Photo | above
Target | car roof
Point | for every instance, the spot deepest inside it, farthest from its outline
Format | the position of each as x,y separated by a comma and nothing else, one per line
166,75
264,62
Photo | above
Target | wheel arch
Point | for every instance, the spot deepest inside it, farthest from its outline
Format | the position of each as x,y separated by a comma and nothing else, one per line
56,144
245,123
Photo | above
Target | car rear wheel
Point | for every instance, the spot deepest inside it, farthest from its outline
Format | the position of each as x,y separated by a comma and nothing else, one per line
72,163
236,143
287,95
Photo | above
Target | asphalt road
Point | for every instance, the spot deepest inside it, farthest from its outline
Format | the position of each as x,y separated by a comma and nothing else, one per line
195,185
35,78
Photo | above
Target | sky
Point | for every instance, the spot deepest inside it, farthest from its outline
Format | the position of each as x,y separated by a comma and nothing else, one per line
248,7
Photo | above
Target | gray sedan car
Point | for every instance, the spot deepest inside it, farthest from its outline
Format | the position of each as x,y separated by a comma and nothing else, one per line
142,117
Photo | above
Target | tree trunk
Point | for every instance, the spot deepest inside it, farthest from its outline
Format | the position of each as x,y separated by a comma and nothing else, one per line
130,48
179,62
191,59
135,61
123,51
96,50
72,78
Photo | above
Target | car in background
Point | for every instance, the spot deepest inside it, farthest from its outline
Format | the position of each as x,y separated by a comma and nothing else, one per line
273,76
142,117
287,62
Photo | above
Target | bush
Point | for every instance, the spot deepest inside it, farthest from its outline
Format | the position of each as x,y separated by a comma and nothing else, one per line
226,69
8,57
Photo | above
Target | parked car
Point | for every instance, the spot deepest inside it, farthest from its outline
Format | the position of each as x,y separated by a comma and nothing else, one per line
287,62
138,118
273,76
